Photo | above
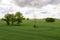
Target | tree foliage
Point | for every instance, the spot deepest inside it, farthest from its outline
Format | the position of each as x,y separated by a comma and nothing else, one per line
50,20
11,18
19,17
7,18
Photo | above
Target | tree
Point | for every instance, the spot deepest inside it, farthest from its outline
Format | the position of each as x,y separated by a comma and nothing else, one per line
19,17
7,18
50,20
12,19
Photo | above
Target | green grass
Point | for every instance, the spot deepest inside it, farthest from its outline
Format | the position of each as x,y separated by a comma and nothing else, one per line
44,31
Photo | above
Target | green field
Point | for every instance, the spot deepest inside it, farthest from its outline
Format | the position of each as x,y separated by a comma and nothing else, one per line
44,31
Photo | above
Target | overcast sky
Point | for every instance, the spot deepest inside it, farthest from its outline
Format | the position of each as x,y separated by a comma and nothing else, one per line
41,8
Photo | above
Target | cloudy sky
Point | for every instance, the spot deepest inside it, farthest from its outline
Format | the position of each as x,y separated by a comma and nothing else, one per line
29,8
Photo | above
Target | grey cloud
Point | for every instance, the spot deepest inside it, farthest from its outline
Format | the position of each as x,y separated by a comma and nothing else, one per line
6,10
54,1
35,3
44,12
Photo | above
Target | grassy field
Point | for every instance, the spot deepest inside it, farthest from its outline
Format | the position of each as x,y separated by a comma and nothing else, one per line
44,31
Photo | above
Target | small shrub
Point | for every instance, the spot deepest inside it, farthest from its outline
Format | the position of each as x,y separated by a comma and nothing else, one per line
23,18
27,18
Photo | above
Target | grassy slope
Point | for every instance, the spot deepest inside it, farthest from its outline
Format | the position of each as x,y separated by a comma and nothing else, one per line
44,31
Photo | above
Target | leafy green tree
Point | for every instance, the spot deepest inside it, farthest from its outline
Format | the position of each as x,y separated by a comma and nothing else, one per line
12,19
7,18
19,17
50,20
